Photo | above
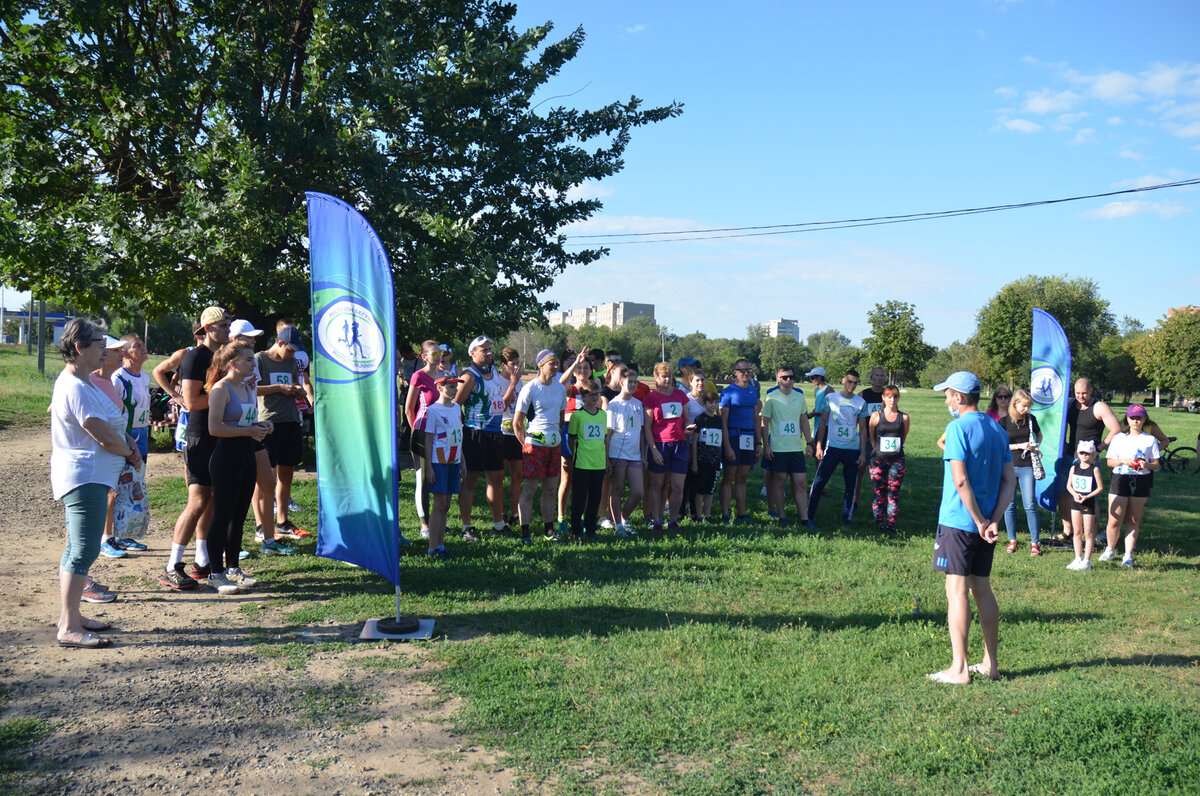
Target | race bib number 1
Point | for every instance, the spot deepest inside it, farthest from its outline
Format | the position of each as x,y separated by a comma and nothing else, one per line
889,444
746,442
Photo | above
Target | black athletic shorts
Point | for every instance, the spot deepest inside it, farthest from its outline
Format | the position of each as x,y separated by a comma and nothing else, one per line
483,451
705,477
196,453
284,444
512,449
416,446
958,552
1136,486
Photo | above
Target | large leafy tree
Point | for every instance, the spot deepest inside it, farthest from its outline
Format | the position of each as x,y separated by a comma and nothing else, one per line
1169,355
1005,325
895,343
159,152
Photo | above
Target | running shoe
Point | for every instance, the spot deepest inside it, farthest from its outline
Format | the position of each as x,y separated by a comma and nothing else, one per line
563,530
290,531
259,536
222,584
784,522
132,544
294,506
243,555
673,528
526,541
1078,564
1127,561
621,533
742,520
424,533
197,572
553,536
773,515
438,552
273,547
1108,555
177,579
95,593
726,519
606,524
812,526
110,550
657,528
242,580
469,535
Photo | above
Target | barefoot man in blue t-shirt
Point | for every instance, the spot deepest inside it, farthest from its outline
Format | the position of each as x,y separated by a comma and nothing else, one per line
977,485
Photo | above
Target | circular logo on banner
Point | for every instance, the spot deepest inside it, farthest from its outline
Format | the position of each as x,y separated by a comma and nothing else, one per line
1045,386
348,334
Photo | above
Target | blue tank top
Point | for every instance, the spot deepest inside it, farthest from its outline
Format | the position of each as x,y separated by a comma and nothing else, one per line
239,412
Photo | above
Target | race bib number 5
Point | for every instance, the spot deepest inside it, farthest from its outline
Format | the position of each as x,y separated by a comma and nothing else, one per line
746,442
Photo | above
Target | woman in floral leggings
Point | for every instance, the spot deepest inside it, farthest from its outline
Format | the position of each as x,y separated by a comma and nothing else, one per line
888,430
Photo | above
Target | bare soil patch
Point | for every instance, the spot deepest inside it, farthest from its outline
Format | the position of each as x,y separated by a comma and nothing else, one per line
195,695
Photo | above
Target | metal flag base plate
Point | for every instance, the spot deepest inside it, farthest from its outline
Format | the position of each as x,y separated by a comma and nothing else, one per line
389,630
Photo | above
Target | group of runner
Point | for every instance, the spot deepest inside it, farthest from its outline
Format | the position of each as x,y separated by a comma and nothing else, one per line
599,442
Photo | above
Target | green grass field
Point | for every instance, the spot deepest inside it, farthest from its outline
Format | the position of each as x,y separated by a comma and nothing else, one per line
762,660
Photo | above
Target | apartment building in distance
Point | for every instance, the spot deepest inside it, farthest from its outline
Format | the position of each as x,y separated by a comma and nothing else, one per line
783,327
614,315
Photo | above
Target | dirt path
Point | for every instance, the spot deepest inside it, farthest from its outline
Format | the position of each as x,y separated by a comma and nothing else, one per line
186,700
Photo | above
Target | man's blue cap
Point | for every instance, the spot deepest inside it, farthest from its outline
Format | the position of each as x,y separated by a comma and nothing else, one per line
688,361
963,381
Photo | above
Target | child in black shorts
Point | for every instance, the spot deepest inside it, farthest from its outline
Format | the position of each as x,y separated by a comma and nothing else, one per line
1084,483
706,453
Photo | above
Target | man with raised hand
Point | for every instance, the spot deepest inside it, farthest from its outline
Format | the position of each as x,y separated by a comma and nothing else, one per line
482,397
842,440
977,485
197,450
1088,420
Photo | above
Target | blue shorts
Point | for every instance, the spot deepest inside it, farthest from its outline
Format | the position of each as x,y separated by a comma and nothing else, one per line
446,478
741,457
142,436
564,446
787,462
676,456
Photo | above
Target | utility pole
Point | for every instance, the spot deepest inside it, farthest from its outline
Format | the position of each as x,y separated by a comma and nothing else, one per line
41,334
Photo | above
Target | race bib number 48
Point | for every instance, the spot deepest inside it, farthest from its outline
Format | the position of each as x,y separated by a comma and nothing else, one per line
789,428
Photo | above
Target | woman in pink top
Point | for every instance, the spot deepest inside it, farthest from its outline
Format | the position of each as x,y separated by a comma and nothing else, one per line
422,391
665,433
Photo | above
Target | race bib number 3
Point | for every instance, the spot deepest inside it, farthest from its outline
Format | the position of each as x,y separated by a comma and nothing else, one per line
746,442
889,444
550,439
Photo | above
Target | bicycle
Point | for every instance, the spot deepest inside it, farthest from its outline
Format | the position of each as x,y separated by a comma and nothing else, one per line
1180,459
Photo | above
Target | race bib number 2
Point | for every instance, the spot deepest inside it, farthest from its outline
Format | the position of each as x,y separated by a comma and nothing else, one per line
672,410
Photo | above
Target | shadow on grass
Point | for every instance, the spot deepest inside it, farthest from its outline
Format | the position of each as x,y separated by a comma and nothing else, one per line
1162,661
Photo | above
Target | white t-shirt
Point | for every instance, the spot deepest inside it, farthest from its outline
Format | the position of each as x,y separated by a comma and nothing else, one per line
844,414
542,405
135,395
1123,446
695,408
76,458
625,418
445,424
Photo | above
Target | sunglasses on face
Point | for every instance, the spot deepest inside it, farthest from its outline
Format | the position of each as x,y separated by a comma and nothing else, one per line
1003,397
788,377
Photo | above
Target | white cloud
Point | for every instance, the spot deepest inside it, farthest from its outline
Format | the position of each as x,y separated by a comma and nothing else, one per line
1168,81
1115,121
635,29
1185,131
1114,210
589,190
1173,175
1008,92
1046,101
1021,125
1084,135
1071,118
1129,154
1190,110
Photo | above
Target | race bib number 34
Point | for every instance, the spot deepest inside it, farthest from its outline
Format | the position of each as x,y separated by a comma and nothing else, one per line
889,444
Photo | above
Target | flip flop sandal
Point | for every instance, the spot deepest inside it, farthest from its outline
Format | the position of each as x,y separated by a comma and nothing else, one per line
96,625
89,641
979,668
941,677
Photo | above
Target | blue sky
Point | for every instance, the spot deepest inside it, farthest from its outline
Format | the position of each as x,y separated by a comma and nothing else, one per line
800,111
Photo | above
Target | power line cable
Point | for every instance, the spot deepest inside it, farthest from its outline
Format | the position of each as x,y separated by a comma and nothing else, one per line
849,223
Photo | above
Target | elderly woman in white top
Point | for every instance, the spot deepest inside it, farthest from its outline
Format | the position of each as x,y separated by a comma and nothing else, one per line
89,449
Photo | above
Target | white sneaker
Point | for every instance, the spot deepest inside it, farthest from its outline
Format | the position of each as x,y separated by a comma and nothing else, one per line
1127,561
1086,566
1108,555
222,584
240,578
258,534
424,533
1078,564
606,524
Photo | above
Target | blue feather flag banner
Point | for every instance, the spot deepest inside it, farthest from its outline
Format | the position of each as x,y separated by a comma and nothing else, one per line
354,379
1050,373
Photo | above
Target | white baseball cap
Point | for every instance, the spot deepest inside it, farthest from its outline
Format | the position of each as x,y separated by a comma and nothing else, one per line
243,327
111,342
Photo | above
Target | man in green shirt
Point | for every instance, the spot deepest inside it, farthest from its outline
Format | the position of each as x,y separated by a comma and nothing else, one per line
785,434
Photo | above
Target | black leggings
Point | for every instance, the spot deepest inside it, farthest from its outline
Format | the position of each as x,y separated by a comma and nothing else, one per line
233,471
586,487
